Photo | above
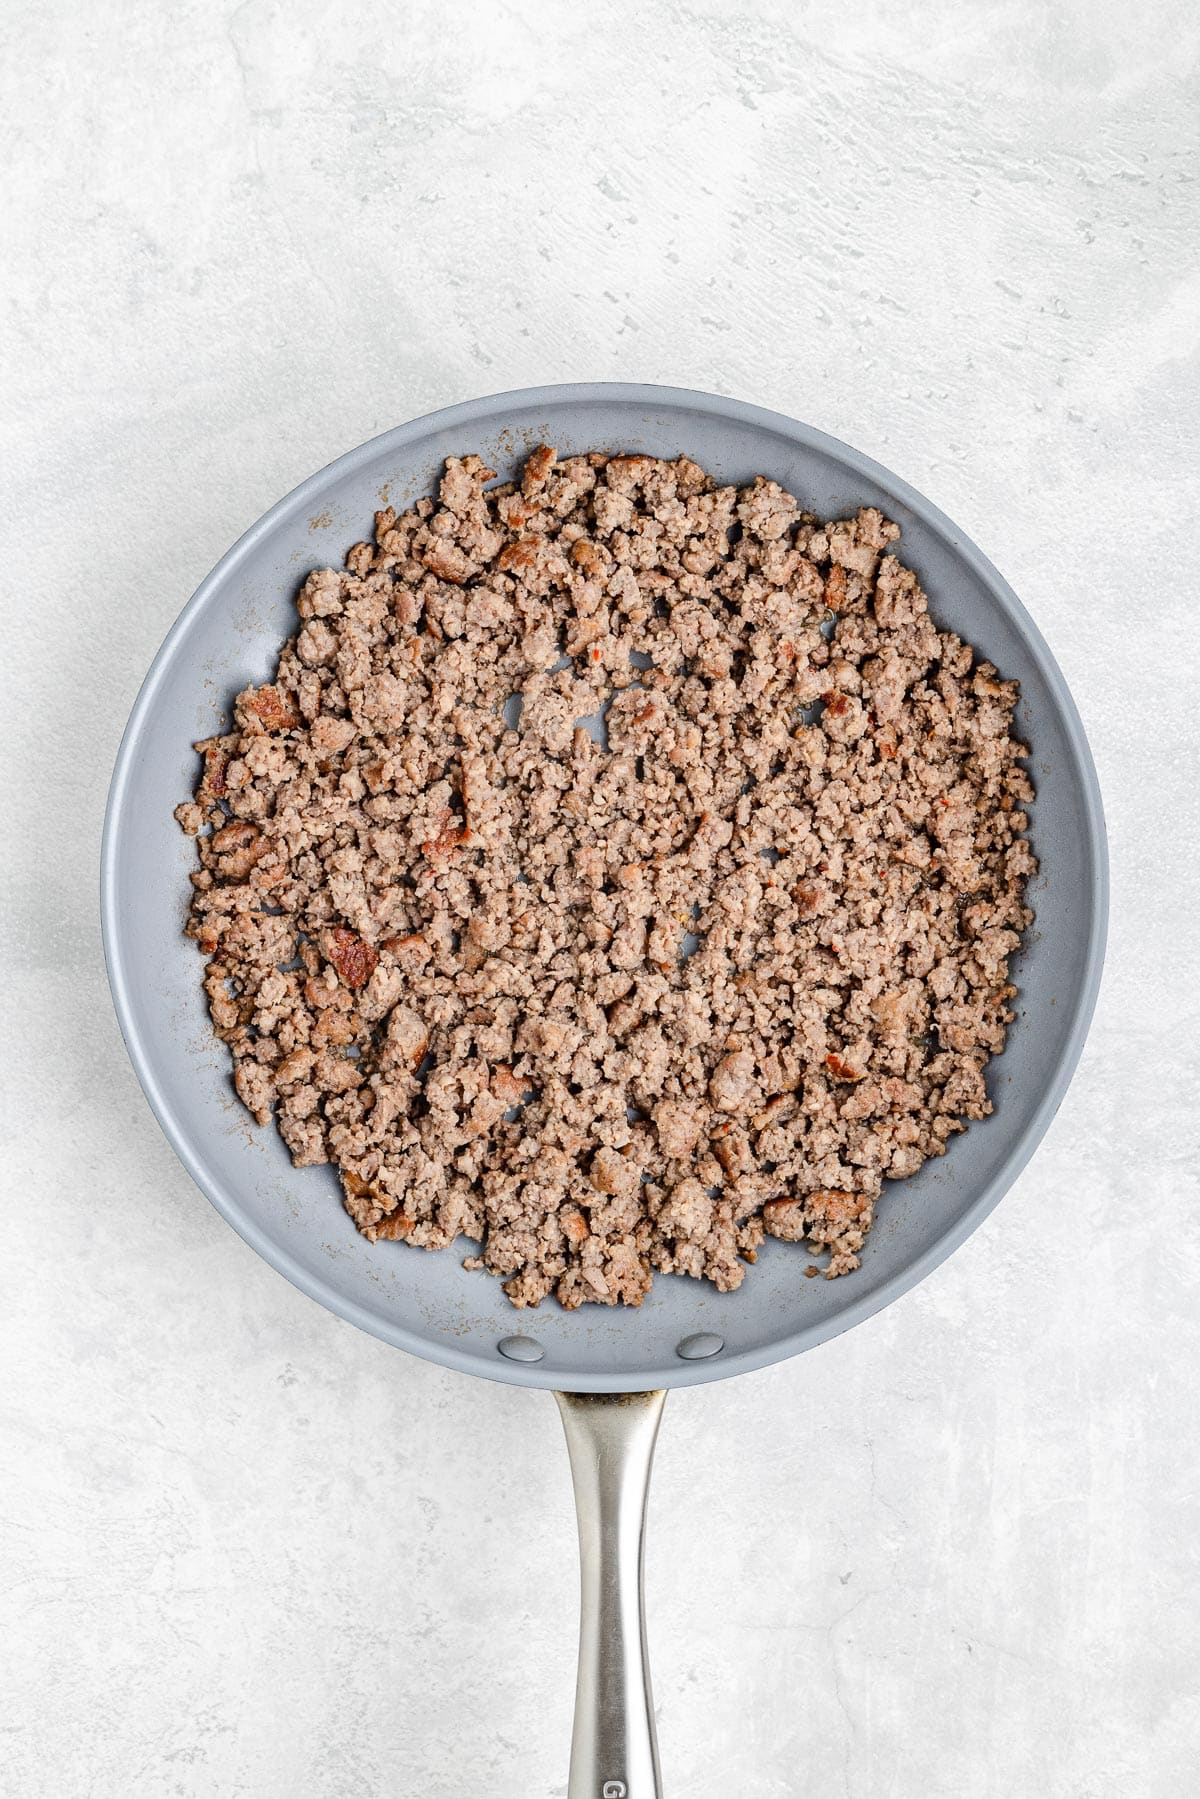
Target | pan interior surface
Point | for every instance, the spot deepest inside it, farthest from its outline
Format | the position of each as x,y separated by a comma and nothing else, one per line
230,634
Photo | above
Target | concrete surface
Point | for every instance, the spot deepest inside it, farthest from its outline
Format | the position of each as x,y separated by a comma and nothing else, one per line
249,1551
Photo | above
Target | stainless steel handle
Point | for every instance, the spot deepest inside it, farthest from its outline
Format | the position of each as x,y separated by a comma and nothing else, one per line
610,1436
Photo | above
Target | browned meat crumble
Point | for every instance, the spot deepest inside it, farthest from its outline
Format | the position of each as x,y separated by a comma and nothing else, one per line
619,998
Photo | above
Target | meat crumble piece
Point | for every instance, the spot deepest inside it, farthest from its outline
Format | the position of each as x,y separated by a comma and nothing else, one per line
579,886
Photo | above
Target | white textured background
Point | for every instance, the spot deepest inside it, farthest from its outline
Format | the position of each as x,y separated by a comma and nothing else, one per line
247,1550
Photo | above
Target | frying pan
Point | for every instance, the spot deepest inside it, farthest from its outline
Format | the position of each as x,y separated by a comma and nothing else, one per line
610,1369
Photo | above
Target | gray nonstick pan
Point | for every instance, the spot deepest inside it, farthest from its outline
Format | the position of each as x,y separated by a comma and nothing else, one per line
610,1368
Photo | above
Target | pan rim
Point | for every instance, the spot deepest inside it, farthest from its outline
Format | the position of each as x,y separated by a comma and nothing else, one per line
1026,1140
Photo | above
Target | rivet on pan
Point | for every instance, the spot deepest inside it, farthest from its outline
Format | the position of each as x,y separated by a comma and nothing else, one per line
695,1349
521,1349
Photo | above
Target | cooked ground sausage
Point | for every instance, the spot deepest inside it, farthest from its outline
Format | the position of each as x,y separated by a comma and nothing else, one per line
616,868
